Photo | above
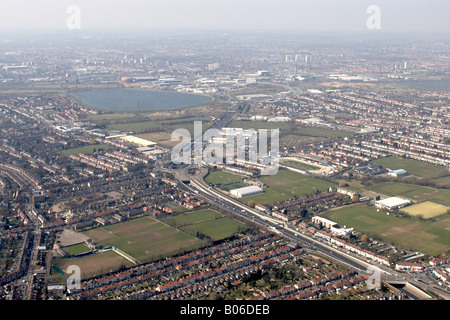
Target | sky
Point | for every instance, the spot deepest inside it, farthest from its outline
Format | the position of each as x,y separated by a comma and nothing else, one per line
261,15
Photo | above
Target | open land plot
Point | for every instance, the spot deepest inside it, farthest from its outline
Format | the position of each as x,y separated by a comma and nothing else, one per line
414,167
223,177
208,222
86,149
232,186
162,138
128,117
94,264
189,120
286,185
76,249
195,216
443,182
258,125
426,209
216,229
157,126
70,237
138,127
145,238
413,192
429,237
354,185
113,116
189,127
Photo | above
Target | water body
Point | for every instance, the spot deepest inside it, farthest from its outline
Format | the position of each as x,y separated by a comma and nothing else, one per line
428,84
140,100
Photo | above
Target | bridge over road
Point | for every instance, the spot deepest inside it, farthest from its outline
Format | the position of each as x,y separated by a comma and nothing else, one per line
409,289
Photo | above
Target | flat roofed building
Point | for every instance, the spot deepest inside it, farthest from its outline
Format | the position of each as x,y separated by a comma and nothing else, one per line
341,231
397,173
139,141
392,203
246,191
325,222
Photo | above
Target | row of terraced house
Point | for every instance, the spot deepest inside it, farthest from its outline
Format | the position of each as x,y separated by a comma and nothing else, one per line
352,248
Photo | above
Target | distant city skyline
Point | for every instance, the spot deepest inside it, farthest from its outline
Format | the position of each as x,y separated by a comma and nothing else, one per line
282,15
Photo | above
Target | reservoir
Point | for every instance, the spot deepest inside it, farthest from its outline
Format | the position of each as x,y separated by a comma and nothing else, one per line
139,100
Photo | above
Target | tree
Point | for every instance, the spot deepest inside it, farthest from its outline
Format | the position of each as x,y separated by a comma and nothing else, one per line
342,183
251,204
355,198
364,238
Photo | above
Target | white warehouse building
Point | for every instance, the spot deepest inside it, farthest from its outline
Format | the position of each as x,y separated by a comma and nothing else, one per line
391,203
246,191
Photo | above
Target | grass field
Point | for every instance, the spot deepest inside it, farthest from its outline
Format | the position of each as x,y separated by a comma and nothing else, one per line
285,185
155,127
76,249
301,131
208,222
413,192
426,209
414,167
442,182
232,186
195,217
116,116
144,238
162,138
86,149
258,125
223,177
429,237
216,229
92,265
137,127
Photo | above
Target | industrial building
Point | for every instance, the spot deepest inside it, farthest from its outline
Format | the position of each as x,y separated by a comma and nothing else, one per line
397,173
139,141
246,191
391,203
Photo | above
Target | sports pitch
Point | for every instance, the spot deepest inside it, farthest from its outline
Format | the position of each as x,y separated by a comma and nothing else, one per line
207,222
429,237
223,177
76,249
426,209
144,238
411,191
286,185
415,167
91,266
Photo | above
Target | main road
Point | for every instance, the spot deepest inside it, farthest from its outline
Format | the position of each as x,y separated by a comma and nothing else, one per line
197,185
312,245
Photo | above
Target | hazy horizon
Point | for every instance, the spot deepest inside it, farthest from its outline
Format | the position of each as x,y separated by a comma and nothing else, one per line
199,15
